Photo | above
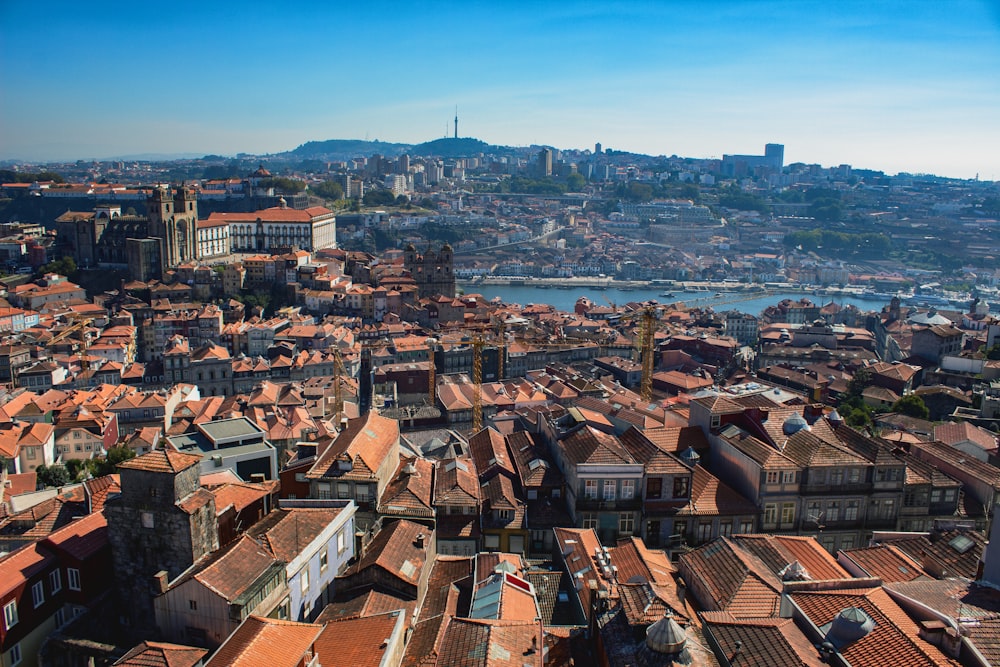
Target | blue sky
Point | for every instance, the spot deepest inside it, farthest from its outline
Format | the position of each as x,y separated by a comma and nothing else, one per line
900,86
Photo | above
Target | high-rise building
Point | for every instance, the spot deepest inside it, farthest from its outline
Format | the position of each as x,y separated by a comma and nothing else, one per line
545,162
775,153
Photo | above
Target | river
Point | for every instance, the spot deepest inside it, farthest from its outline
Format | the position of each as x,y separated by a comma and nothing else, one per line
565,299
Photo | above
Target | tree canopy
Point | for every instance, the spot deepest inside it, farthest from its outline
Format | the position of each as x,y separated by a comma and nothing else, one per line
911,405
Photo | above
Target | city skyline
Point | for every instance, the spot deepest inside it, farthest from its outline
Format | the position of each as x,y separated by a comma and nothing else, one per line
891,86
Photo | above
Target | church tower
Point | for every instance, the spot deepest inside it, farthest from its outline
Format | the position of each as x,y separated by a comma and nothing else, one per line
173,218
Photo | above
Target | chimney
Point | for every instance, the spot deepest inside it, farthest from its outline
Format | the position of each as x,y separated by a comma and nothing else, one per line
812,412
161,581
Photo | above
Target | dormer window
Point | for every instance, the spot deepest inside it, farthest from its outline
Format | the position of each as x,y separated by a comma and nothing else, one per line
681,485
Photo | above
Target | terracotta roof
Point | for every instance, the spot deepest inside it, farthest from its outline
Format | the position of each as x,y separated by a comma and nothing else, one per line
267,642
637,563
394,549
359,603
886,562
894,634
365,442
287,532
489,452
367,645
409,491
81,538
767,642
162,460
735,581
455,483
161,654
229,571
780,551
478,643
588,445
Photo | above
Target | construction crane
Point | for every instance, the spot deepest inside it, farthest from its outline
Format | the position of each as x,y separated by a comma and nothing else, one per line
79,325
338,392
431,373
477,383
648,351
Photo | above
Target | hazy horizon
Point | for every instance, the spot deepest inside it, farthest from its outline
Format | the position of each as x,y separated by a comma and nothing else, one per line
894,86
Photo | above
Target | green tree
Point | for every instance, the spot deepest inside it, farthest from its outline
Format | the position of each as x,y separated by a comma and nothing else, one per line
379,197
327,190
109,464
575,181
911,405
862,380
54,475
284,185
64,266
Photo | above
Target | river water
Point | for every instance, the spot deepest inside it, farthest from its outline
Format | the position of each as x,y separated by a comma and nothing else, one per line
565,299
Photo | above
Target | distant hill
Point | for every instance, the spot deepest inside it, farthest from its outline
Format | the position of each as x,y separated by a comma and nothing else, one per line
448,147
344,149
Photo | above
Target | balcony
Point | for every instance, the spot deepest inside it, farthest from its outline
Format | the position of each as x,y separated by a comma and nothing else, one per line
861,488
617,505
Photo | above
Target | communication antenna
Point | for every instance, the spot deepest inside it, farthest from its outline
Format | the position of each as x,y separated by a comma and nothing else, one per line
456,121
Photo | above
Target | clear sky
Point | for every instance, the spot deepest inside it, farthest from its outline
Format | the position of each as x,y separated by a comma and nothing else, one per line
899,86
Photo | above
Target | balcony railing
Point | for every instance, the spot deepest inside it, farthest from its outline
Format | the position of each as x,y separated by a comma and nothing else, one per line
836,489
584,503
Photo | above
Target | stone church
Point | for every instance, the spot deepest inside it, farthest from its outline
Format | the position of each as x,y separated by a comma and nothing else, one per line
432,271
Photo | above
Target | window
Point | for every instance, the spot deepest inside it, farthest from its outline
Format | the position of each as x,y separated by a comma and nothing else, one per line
854,475
38,594
304,581
626,523
681,528
787,513
15,654
55,581
147,520
772,476
770,514
491,541
590,489
833,510
628,489
704,531
193,605
343,490
589,520
610,487
10,614
341,542
788,477
73,577
837,477
654,487
746,526
936,496
30,451
949,495
887,509
361,492
726,528
851,510
324,561
847,542
813,510
323,491
680,487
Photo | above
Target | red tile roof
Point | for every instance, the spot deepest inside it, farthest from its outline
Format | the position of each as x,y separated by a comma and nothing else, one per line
895,634
267,642
162,460
161,654
367,645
